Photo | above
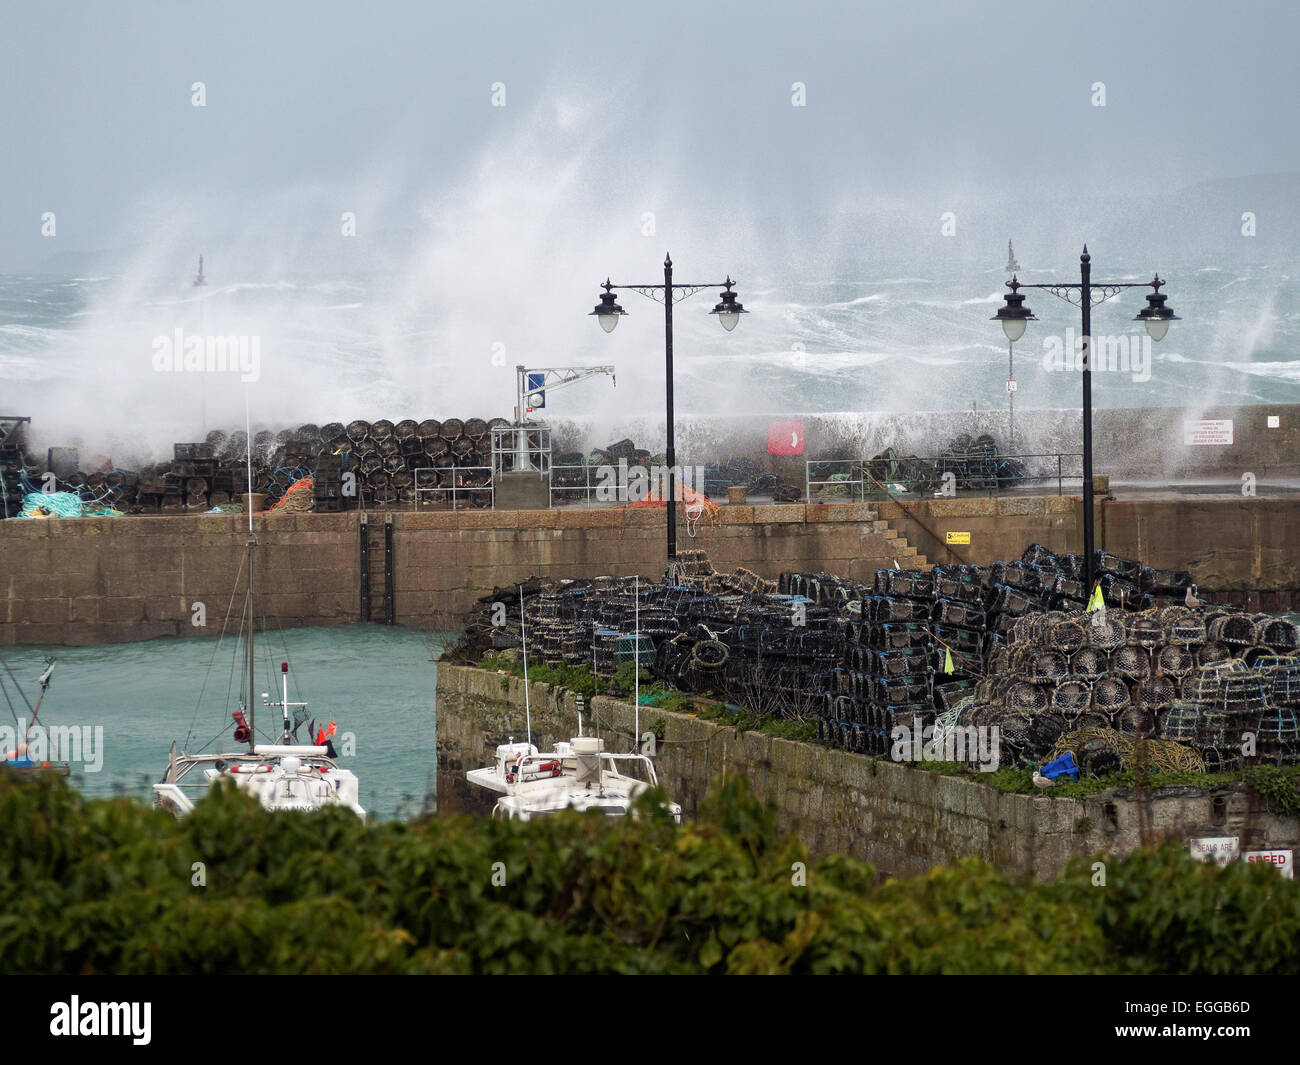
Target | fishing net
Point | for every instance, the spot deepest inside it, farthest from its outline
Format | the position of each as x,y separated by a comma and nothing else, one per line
1161,755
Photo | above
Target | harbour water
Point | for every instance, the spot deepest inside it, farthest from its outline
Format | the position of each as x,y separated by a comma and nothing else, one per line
377,682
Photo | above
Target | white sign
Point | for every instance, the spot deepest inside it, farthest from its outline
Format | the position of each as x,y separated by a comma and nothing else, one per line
1219,849
1011,385
1215,431
1274,421
1280,860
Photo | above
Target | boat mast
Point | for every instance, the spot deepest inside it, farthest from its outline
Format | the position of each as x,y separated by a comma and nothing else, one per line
252,543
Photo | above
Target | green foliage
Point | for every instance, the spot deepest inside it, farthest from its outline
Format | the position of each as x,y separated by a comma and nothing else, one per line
575,678
1277,787
100,885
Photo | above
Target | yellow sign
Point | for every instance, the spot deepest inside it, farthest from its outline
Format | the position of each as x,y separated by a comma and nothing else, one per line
958,538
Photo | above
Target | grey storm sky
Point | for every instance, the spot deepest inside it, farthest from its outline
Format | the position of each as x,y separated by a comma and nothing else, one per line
904,101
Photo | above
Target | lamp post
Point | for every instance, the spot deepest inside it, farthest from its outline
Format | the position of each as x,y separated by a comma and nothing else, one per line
728,310
1156,316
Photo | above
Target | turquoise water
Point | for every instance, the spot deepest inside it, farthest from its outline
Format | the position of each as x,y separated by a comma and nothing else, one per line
376,681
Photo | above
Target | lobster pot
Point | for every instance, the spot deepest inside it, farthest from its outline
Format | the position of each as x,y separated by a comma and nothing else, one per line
574,644
1130,663
1124,568
1206,682
1088,664
639,649
552,642
1159,692
1277,633
605,642
1221,759
1068,589
962,589
1215,728
1278,731
1133,720
910,663
1010,601
452,429
1110,695
1211,653
1071,698
1146,630
1283,681
948,695
1045,728
951,612
1026,698
1048,667
476,429
1016,574
428,431
1174,661
1107,635
1233,629
1038,555
1182,722
1066,636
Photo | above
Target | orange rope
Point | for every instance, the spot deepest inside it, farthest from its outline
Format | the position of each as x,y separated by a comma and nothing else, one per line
303,489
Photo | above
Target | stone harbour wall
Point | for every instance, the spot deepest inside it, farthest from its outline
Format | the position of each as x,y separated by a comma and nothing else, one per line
900,818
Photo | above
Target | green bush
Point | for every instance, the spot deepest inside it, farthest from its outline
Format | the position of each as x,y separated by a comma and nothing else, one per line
94,885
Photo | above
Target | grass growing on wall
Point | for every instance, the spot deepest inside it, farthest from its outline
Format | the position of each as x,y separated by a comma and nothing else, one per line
99,886
580,679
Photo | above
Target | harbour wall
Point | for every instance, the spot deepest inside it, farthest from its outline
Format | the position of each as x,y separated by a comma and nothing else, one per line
900,818
1143,444
103,580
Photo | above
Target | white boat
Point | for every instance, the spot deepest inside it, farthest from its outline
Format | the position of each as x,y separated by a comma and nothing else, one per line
578,775
285,775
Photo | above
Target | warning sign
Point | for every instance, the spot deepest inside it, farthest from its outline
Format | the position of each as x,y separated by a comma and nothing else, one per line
955,538
1215,431
1217,849
1280,860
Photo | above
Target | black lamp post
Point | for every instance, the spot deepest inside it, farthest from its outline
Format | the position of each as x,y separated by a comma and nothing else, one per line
728,310
1156,316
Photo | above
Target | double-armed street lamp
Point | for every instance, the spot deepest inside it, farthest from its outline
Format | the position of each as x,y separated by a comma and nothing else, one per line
728,310
1156,316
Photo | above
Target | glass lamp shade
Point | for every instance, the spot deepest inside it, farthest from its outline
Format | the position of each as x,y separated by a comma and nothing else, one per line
607,321
729,319
1157,328
1014,328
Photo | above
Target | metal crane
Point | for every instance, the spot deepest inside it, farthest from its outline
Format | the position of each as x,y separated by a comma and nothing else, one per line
531,386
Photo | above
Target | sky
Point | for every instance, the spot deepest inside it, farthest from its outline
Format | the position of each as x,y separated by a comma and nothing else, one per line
684,111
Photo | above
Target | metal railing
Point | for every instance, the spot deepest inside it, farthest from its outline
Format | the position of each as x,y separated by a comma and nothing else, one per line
862,480
592,483
457,492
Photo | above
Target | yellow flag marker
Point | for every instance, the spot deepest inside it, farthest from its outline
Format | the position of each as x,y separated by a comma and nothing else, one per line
947,661
1096,602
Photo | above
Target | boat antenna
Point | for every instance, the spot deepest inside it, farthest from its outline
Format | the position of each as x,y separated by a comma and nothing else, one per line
252,542
44,683
523,640
636,661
